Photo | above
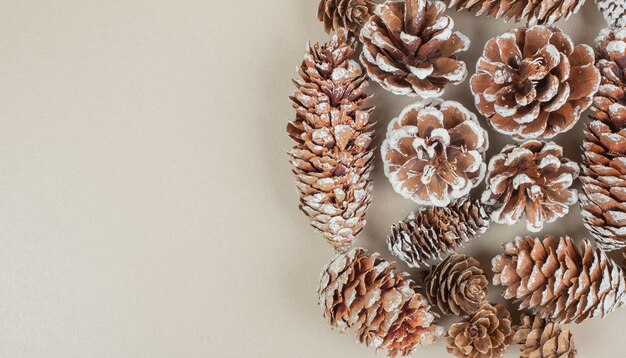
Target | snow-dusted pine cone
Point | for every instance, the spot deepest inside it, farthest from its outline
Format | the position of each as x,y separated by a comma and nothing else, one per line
532,180
614,12
347,14
533,83
434,152
534,12
410,48
538,338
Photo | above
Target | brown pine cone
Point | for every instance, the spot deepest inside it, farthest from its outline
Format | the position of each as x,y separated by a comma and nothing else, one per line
531,179
409,47
332,157
435,231
347,14
457,285
487,334
532,11
362,293
538,338
614,12
434,152
532,83
557,280
603,199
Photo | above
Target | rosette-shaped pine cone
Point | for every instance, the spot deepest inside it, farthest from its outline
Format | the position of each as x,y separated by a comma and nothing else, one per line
487,334
614,12
532,83
531,179
362,293
559,281
435,231
410,48
603,199
347,14
332,157
538,338
457,285
532,11
434,152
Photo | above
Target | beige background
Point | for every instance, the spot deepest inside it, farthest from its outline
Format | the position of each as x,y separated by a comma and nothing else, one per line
147,206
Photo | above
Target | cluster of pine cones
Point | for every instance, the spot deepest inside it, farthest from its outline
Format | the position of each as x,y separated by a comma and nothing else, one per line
531,84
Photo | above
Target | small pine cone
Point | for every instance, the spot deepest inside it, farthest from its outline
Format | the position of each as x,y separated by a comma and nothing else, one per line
487,334
614,12
531,179
457,285
538,338
533,83
409,47
435,231
347,14
559,281
434,152
535,12
362,293
604,172
332,157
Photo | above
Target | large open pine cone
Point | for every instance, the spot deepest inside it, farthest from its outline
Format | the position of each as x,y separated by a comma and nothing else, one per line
614,12
362,293
409,47
332,157
533,11
538,338
434,152
435,231
531,179
532,83
347,14
487,334
457,285
603,199
559,281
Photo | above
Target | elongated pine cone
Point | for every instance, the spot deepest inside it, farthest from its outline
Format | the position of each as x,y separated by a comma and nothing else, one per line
531,179
347,14
487,334
457,285
332,157
534,12
538,338
362,293
559,281
614,12
603,198
434,152
410,48
533,83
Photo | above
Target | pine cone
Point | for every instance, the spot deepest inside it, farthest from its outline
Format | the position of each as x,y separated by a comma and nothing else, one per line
434,152
457,285
435,231
410,49
532,83
614,12
347,14
332,157
362,293
604,173
533,11
531,179
557,280
538,338
487,334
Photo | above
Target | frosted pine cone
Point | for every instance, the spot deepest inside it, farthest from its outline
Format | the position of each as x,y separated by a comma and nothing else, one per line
538,338
435,231
614,12
604,173
531,179
559,281
362,293
532,11
409,47
533,83
332,157
347,14
434,152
